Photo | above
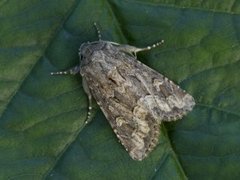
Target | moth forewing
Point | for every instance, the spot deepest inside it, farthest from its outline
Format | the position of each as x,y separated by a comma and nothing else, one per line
134,98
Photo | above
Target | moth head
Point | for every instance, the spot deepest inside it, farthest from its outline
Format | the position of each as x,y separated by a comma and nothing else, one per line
87,49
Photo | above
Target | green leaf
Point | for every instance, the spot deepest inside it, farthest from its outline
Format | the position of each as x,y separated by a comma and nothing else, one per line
42,131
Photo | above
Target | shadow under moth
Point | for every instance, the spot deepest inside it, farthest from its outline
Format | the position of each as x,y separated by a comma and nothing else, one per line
134,98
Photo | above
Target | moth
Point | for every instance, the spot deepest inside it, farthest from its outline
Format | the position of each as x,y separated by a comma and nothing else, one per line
134,98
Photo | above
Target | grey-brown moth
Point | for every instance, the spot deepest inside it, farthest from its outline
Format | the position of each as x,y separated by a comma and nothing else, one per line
134,98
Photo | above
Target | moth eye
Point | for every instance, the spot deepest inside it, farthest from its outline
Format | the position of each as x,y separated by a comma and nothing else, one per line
80,56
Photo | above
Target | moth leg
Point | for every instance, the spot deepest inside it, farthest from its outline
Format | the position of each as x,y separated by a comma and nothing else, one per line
88,92
74,70
134,50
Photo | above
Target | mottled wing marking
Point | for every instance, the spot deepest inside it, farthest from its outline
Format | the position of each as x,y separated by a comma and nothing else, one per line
166,100
135,127
134,98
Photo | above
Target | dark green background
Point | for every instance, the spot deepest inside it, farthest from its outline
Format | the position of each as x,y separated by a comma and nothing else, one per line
42,132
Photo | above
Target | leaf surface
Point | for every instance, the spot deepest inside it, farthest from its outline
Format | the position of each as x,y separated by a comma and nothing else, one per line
42,131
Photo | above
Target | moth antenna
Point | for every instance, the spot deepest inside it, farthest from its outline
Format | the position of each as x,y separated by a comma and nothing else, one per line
152,46
134,50
98,31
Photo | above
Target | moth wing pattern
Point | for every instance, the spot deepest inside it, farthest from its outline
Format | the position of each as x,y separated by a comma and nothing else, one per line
133,97
166,100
